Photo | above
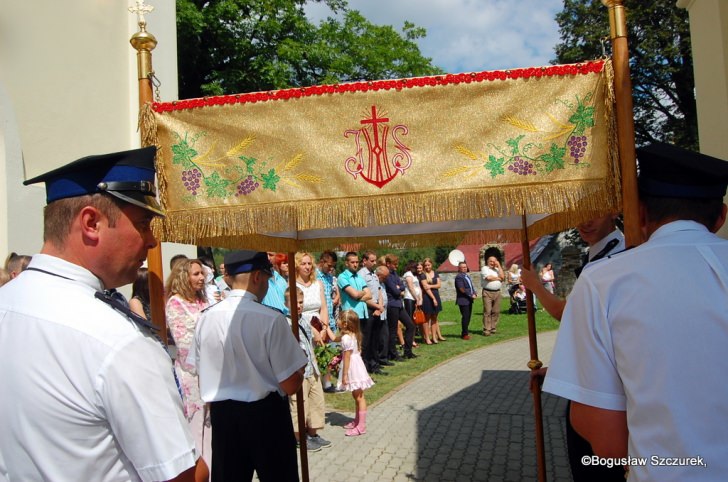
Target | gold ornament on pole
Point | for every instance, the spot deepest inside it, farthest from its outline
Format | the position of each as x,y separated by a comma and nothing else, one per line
617,18
144,42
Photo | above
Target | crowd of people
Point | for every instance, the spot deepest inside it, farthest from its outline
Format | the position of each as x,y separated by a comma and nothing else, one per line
95,394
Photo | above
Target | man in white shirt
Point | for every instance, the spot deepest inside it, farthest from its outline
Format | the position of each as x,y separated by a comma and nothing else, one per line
604,239
640,352
248,363
88,391
491,279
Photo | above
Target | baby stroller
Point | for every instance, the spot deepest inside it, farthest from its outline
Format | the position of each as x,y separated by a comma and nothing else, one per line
518,300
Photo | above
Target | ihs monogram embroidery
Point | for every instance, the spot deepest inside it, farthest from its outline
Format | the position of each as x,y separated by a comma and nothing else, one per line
378,168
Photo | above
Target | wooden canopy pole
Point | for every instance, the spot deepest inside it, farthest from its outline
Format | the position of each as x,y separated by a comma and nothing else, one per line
144,42
625,121
293,296
534,364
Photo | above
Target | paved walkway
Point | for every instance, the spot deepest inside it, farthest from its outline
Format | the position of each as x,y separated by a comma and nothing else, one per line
470,419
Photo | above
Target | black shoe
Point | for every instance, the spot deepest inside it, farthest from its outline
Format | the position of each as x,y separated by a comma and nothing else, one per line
386,363
379,371
397,358
410,355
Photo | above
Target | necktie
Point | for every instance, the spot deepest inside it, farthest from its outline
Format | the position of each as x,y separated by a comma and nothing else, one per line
470,285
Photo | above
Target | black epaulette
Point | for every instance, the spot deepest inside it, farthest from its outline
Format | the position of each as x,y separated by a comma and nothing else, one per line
133,317
621,251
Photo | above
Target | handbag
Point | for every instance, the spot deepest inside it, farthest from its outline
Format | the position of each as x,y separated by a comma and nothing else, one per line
419,316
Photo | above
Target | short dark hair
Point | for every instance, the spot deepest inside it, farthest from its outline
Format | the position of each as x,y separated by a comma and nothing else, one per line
329,254
350,254
58,215
175,259
703,211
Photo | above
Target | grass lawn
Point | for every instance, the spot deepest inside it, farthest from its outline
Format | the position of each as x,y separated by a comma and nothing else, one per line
429,356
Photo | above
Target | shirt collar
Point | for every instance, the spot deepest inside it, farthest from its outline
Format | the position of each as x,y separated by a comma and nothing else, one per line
238,293
599,245
66,269
675,226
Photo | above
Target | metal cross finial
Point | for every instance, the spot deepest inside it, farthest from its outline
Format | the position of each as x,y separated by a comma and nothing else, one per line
140,9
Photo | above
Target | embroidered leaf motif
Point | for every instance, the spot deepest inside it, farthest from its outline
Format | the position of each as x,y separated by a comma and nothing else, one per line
513,143
582,119
495,166
183,153
249,164
541,150
270,180
217,186
554,159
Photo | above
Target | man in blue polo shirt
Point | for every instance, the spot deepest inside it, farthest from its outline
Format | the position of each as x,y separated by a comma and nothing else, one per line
353,288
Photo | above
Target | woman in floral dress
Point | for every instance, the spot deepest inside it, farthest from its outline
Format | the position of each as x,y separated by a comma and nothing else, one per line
185,289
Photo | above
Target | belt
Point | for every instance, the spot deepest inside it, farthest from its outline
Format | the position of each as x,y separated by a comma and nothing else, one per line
493,291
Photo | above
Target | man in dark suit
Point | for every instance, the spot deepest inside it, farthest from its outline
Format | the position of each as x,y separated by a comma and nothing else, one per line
465,294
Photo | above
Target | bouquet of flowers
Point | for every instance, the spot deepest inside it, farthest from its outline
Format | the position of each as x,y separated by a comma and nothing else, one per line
328,357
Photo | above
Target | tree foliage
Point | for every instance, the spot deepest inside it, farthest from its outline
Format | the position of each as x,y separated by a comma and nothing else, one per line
660,62
231,46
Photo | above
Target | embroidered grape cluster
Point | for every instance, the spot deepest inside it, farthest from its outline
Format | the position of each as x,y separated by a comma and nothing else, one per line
247,186
577,147
522,167
191,180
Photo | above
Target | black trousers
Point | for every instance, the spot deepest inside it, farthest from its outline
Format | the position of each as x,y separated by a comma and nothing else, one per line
383,335
577,447
253,436
395,314
409,307
465,314
368,343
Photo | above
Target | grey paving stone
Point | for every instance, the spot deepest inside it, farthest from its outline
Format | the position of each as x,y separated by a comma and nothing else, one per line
470,419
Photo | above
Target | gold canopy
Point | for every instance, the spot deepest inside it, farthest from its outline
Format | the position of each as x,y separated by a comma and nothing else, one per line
405,162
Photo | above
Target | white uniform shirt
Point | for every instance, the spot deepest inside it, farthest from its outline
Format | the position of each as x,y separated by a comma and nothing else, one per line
243,350
85,395
636,337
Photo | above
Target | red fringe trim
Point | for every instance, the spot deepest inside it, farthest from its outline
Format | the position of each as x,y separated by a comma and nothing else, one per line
584,68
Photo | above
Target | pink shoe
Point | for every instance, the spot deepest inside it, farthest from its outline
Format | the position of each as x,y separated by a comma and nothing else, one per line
350,425
358,430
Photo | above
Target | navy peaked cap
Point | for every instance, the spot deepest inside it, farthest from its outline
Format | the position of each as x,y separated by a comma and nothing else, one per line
127,175
245,261
670,171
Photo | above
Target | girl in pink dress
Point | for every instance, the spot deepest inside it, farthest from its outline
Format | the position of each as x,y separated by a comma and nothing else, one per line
353,376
